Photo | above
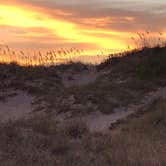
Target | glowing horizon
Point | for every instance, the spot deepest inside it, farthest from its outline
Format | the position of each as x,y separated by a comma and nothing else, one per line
60,28
92,26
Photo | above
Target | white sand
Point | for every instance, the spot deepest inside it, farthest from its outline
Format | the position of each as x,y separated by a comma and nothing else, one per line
83,77
15,107
99,122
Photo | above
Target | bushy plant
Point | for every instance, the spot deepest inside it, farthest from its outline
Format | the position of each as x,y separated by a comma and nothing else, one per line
153,65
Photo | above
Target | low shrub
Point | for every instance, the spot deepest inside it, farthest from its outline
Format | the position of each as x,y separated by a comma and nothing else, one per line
153,65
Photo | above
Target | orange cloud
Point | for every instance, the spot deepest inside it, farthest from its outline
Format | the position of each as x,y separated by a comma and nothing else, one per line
91,28
28,18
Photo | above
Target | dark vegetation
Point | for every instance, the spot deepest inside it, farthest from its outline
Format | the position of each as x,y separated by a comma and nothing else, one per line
36,80
147,63
120,81
41,140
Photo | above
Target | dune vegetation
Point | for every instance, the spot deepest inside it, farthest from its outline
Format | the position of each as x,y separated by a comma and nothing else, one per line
116,84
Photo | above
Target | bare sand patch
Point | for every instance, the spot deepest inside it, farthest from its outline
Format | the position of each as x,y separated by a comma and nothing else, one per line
15,107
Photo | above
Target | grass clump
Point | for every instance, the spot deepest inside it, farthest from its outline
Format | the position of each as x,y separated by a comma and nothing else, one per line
75,129
154,65
40,141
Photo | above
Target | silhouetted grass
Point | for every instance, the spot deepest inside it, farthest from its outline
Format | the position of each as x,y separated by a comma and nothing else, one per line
122,80
38,58
146,63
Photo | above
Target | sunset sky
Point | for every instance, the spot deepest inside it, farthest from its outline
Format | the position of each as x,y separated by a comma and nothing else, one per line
86,24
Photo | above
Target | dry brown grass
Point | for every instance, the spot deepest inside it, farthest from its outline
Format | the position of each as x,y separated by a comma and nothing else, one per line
38,58
39,141
140,141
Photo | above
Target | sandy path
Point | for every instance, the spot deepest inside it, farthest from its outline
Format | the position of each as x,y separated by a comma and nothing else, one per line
99,122
83,77
15,107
